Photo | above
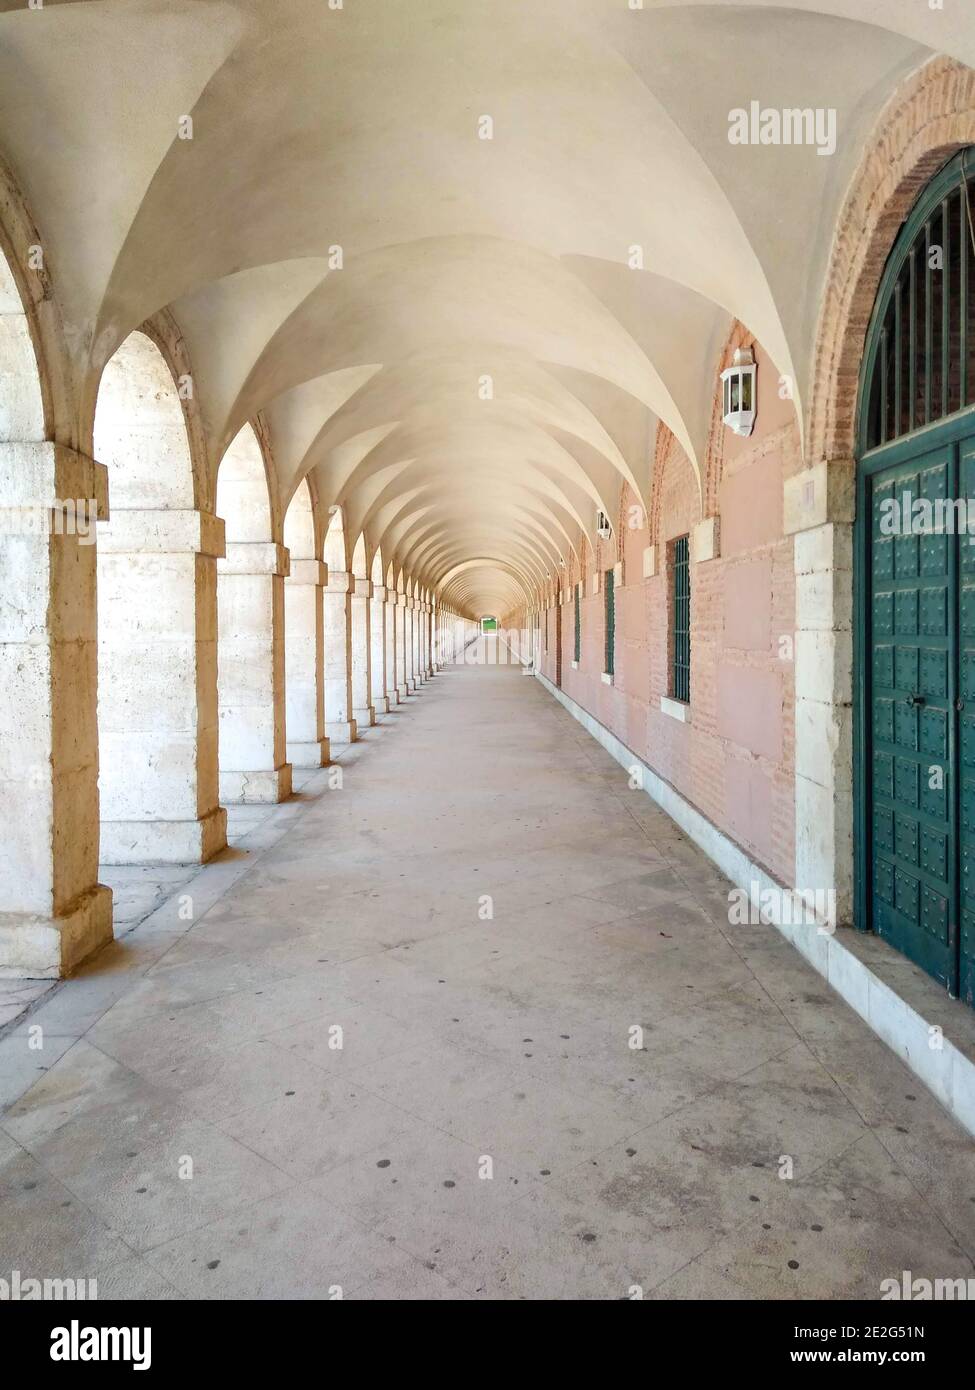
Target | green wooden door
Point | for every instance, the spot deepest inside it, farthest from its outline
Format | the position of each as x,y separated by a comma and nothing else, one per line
966,734
912,693
921,758
915,590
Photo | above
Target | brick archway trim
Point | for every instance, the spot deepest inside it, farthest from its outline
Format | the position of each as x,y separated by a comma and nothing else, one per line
926,121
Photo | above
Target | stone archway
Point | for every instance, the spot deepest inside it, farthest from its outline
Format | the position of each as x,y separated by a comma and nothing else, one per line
304,633
157,715
340,724
250,656
924,124
363,711
379,615
53,912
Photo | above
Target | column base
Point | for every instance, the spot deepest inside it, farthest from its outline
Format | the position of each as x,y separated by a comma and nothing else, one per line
365,717
49,948
314,754
163,841
262,787
401,694
381,704
343,732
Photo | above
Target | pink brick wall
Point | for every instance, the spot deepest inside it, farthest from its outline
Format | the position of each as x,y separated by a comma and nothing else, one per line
734,759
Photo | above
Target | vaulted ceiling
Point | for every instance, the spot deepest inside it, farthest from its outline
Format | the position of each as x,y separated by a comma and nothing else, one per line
466,342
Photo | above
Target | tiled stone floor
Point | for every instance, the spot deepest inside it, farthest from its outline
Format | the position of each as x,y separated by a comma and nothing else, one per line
485,1130
137,891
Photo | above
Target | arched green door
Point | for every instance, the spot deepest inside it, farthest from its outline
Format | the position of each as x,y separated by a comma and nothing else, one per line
915,586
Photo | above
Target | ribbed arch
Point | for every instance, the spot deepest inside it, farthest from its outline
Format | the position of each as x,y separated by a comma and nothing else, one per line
514,321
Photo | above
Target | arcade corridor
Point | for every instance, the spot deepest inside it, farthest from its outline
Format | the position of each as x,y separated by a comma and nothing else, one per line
486,912
487,655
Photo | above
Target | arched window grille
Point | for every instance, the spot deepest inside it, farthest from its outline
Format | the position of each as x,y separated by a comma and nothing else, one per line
918,363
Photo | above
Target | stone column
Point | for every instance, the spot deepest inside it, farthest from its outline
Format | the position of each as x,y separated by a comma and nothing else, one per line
389,607
157,687
359,600
250,662
819,506
304,644
53,910
409,645
402,689
377,665
340,724
429,661
422,670
419,620
422,674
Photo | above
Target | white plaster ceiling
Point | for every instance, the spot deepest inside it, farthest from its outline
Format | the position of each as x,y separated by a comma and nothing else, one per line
463,259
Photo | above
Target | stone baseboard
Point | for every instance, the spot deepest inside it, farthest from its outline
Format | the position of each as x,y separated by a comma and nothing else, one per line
163,841
313,754
344,732
49,948
262,787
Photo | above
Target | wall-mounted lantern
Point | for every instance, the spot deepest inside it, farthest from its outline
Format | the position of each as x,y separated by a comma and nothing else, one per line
738,385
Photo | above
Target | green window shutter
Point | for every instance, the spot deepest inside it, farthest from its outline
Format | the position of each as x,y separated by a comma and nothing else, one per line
578,634
610,591
680,679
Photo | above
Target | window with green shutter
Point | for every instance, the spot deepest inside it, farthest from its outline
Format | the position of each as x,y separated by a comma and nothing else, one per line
680,674
609,585
578,633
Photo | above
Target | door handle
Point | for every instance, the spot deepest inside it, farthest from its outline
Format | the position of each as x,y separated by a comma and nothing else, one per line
915,700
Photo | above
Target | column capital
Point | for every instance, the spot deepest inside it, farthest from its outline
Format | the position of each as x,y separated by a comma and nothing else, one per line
162,531
45,475
340,582
362,588
379,593
255,557
313,572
